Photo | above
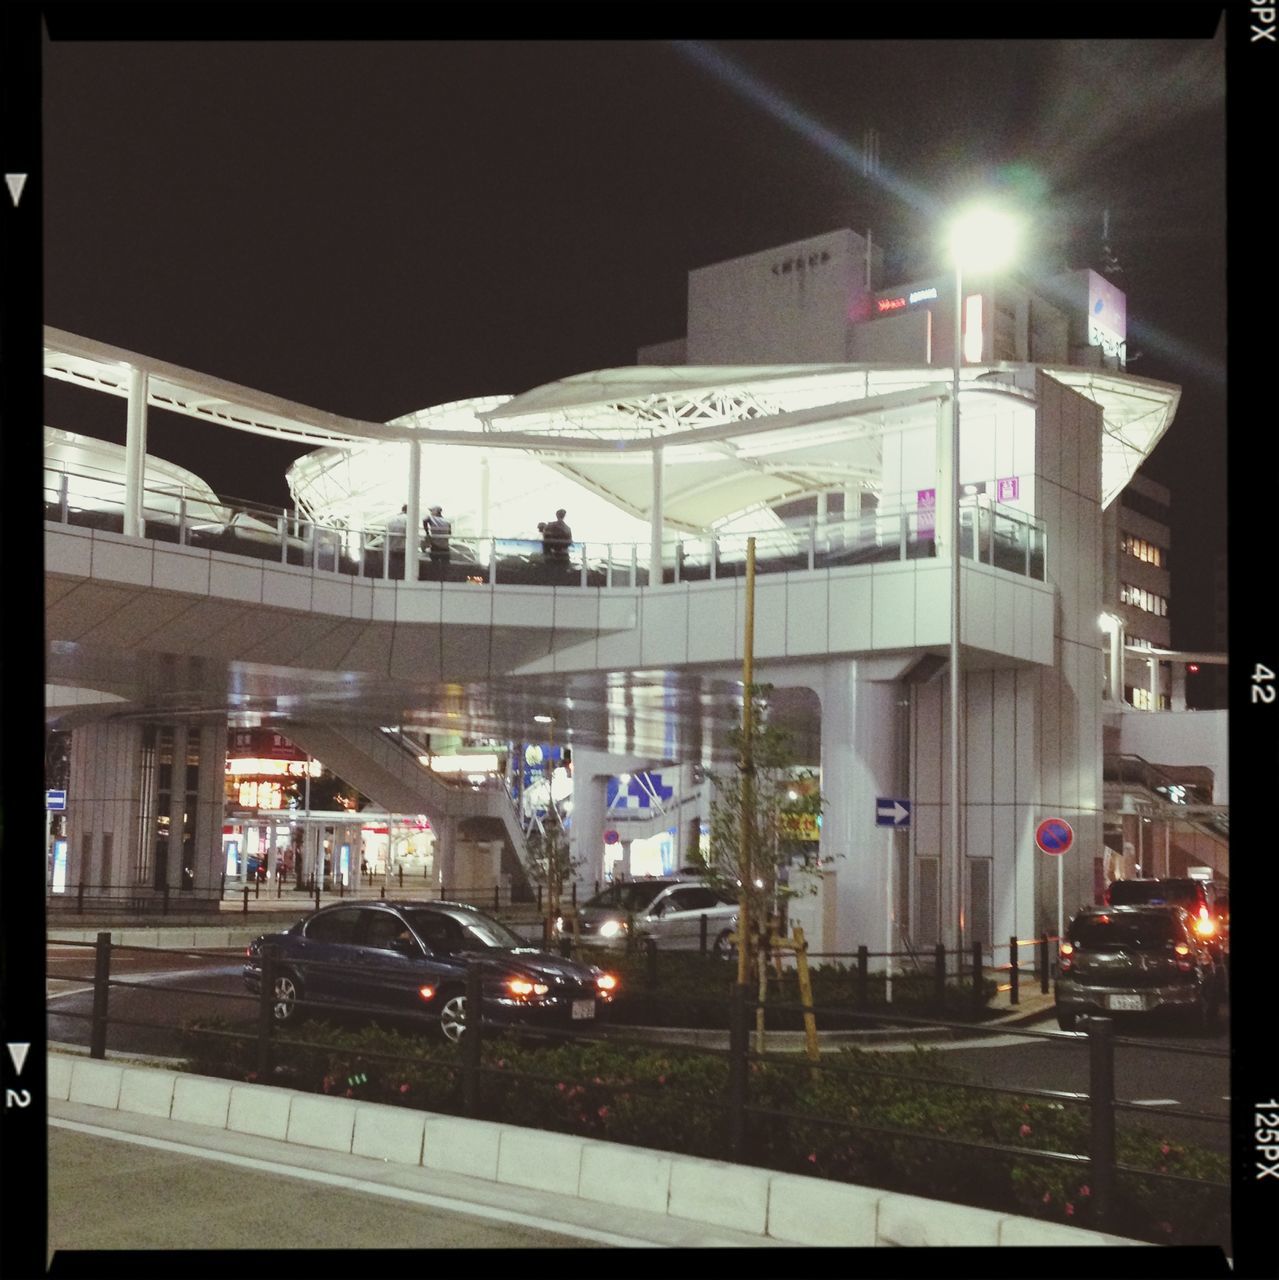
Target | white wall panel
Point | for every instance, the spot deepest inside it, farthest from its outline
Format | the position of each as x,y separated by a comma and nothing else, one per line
576,610
979,744
361,600
1003,738
669,635
849,620
522,606
66,551
893,607
1024,624
122,561
977,598
807,600
182,569
285,590
331,595
232,578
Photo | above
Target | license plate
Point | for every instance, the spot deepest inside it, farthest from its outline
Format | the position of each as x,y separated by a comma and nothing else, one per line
1125,1002
583,1009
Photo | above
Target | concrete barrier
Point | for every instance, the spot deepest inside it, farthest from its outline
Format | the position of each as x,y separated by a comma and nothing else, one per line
780,1206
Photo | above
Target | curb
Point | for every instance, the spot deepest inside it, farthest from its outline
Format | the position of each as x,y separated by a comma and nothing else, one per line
773,1206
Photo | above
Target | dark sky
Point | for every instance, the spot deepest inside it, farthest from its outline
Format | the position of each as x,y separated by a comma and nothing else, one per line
374,227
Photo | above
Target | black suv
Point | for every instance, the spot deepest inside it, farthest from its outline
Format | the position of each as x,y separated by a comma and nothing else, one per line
412,959
1199,897
1137,960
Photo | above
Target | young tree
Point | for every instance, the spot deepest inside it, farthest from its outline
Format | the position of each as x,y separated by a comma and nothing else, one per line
762,820
551,862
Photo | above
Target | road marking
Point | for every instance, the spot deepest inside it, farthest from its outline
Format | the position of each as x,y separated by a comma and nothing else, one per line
360,1185
1156,1102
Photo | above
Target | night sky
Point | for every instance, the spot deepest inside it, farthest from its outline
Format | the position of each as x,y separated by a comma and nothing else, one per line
375,227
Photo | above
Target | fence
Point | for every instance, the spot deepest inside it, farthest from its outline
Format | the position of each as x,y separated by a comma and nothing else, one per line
745,1120
1003,537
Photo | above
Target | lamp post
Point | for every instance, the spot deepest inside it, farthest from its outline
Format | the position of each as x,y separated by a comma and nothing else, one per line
982,239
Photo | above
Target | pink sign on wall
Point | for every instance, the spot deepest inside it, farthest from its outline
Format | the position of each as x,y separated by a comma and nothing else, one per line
1007,489
926,505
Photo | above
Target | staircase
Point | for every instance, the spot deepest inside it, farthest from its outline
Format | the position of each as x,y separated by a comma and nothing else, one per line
384,765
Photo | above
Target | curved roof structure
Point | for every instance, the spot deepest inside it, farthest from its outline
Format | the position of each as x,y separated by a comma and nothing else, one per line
734,440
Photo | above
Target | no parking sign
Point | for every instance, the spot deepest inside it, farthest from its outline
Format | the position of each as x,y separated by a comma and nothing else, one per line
1054,835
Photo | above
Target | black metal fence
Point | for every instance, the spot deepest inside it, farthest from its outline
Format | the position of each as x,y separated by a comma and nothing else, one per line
744,1118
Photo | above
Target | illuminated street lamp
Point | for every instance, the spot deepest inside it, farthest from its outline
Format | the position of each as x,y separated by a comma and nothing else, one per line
981,239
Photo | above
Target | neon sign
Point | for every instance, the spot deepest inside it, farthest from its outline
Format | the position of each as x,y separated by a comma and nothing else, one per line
890,304
922,295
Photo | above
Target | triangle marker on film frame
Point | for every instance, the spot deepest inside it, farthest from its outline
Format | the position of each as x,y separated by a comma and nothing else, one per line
15,182
18,1052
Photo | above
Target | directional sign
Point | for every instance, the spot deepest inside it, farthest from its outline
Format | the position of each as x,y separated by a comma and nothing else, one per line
1054,835
890,812
55,799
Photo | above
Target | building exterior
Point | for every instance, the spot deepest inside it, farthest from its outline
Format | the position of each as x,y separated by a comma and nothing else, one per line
809,409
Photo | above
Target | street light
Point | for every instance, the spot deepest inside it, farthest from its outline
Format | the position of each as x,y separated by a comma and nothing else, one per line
981,238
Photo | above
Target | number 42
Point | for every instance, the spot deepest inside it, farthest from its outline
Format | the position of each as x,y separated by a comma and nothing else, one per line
1263,689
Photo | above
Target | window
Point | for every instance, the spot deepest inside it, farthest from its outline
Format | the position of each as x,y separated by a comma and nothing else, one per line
381,928
1140,598
441,933
334,926
691,899
1146,552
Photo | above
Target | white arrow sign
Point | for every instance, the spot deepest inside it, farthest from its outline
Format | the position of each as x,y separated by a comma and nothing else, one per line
891,813
18,1052
15,182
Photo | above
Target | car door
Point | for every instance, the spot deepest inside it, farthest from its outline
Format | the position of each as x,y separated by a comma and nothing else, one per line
390,969
676,923
325,953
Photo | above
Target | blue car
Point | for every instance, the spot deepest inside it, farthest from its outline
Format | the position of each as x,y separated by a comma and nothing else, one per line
411,960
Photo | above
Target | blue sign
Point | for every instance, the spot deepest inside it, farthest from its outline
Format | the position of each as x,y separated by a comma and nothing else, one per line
890,812
55,800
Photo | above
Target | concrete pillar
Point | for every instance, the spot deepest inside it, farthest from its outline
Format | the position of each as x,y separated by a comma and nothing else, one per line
626,860
1117,661
655,542
135,453
1177,672
859,764
485,500
586,831
445,830
413,517
1154,684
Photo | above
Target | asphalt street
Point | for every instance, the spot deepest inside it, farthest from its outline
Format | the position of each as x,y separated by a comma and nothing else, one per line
170,988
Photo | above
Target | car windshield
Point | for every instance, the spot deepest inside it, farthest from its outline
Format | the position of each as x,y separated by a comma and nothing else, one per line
632,896
1139,931
478,931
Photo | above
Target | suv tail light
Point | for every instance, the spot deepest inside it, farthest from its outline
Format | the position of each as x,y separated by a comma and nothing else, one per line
1184,962
1205,926
1067,954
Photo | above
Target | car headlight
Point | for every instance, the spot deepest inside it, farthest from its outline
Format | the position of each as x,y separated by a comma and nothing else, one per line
523,987
607,983
611,928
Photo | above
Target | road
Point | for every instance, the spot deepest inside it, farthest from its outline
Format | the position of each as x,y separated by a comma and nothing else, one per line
174,988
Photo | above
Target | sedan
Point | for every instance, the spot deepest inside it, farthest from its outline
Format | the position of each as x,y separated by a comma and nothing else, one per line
669,911
412,959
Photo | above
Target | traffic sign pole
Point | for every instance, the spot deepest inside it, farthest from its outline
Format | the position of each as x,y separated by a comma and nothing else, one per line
1060,916
888,922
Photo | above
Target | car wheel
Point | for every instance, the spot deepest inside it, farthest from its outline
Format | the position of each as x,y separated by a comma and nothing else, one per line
1065,1019
287,994
453,1016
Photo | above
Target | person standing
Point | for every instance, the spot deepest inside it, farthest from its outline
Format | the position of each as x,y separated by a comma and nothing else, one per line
556,538
438,530
396,529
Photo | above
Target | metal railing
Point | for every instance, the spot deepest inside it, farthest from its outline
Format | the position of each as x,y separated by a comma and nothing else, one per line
1004,538
745,1120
